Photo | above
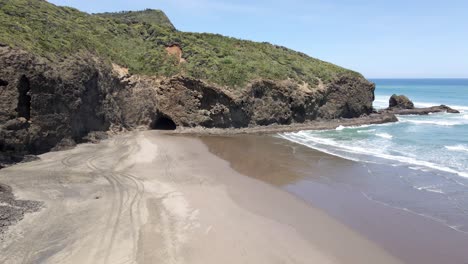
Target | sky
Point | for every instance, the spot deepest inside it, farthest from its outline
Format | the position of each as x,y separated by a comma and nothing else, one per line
378,38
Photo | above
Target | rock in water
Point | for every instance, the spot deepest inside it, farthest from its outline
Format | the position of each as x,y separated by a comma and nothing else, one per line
402,105
449,110
400,101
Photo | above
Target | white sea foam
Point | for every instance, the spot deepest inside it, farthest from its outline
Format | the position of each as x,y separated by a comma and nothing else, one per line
415,168
366,131
430,189
309,143
381,102
339,128
384,135
434,122
429,104
358,153
435,190
459,148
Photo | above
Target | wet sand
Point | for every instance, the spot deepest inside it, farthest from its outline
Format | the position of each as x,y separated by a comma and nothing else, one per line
359,195
150,198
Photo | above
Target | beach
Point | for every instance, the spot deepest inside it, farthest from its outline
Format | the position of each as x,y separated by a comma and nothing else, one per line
176,133
146,197
377,201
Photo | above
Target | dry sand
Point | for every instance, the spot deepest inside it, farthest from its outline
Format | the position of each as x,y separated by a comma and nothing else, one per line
152,198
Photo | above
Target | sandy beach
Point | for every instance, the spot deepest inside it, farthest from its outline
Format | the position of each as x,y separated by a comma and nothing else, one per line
151,198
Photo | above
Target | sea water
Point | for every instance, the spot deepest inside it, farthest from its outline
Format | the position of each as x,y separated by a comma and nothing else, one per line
435,147
437,141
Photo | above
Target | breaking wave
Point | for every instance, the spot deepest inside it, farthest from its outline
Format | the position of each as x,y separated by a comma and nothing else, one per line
369,150
458,148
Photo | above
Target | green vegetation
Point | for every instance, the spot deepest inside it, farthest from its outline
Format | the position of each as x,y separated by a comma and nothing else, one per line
137,40
150,16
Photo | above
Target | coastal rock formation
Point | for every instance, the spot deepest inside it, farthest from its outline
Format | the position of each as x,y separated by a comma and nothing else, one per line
400,101
45,105
190,102
347,97
421,111
402,105
61,85
42,103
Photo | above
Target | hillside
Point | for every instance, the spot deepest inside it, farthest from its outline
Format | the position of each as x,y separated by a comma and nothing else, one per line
137,40
150,16
68,77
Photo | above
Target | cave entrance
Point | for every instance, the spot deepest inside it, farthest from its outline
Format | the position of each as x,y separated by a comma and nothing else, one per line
24,99
163,123
3,82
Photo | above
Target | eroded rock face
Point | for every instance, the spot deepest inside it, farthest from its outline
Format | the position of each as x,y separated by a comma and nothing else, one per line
268,102
45,105
41,103
401,102
190,102
347,97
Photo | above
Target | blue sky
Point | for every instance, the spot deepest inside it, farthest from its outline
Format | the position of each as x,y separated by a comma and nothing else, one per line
378,38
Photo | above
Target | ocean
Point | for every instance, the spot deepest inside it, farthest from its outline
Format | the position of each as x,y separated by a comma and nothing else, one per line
433,148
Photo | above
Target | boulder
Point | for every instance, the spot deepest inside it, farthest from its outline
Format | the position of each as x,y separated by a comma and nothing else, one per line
448,109
400,101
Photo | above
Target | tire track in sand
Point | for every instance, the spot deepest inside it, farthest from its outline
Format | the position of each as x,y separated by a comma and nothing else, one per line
116,207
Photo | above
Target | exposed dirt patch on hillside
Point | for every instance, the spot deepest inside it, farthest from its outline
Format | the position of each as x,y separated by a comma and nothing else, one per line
175,50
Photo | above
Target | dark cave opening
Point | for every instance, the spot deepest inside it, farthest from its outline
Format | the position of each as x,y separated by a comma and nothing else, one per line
24,99
3,82
163,123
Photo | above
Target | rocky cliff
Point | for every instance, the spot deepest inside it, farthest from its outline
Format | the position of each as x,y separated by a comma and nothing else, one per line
43,103
46,104
75,76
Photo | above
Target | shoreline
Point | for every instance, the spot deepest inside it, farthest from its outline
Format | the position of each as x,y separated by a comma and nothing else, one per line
381,117
205,211
357,194
10,158
353,207
373,119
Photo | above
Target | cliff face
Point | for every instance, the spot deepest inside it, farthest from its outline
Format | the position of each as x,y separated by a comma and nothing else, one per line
44,104
59,84
190,102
